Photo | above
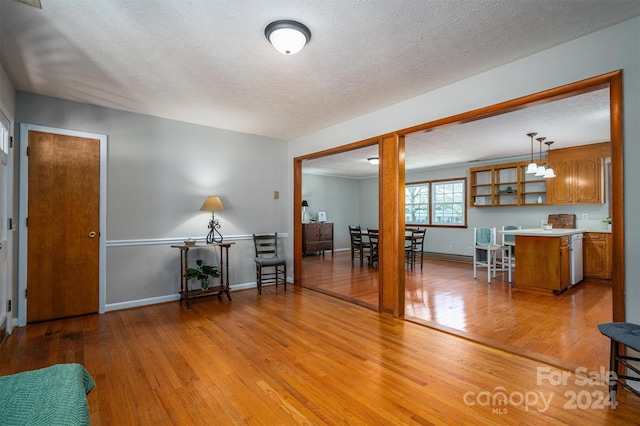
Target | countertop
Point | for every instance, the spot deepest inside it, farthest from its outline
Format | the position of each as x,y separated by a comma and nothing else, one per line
539,232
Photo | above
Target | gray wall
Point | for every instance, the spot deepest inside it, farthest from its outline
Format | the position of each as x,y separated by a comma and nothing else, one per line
613,48
342,200
159,173
7,95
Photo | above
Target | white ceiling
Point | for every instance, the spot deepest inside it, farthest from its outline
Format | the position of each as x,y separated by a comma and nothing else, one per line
208,62
578,120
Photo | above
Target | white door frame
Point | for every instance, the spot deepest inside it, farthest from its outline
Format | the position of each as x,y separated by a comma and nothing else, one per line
24,185
6,192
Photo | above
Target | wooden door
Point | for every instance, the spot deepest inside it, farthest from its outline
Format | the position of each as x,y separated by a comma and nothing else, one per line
62,226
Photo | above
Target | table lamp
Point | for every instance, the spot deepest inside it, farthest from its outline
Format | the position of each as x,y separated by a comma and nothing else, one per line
213,203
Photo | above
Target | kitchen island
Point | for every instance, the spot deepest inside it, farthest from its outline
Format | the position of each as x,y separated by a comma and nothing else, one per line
543,258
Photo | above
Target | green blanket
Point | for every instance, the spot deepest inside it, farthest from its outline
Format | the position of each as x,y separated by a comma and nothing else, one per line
55,395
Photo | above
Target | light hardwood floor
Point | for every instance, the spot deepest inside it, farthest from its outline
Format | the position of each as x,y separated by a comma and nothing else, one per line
300,357
559,329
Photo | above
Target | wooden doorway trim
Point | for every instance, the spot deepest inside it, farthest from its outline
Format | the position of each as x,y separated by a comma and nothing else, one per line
612,80
25,128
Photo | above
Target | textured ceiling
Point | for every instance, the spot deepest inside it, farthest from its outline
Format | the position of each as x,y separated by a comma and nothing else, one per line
208,62
578,120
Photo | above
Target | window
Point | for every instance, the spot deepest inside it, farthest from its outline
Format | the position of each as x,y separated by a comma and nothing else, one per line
436,203
416,203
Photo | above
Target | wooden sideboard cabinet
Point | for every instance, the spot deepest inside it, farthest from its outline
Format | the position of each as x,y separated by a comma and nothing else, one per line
597,255
317,237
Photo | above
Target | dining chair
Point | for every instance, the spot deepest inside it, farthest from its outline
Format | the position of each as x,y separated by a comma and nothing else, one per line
485,252
415,247
358,245
374,237
270,268
508,259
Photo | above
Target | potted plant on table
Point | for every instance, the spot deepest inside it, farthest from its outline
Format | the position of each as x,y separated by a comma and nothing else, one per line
607,220
202,273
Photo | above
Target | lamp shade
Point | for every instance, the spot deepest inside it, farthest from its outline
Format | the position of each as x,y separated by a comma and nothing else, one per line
288,37
532,168
212,203
304,203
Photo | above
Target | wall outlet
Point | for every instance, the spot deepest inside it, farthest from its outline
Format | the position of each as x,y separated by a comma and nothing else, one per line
585,216
470,250
450,248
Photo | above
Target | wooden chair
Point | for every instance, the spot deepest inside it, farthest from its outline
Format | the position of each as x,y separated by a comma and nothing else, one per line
627,335
485,252
508,259
374,236
358,246
270,268
415,248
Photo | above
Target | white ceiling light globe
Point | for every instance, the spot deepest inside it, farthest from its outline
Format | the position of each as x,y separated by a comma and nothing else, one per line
288,37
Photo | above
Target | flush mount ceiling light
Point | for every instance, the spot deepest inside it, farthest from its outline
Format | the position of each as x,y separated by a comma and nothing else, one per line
374,160
288,37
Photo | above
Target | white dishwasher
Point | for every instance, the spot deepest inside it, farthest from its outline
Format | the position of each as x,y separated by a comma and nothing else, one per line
576,258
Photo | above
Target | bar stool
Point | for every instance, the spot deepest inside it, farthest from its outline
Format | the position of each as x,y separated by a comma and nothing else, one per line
628,335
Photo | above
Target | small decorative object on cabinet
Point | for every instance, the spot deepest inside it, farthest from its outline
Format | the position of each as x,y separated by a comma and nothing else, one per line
317,237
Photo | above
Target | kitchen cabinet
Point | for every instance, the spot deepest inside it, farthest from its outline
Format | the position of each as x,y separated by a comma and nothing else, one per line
543,263
505,185
317,237
533,189
481,186
579,174
597,255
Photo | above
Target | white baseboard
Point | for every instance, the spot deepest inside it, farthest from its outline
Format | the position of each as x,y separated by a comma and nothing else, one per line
168,298
141,302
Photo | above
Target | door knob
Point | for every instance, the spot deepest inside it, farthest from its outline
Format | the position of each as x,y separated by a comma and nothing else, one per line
92,234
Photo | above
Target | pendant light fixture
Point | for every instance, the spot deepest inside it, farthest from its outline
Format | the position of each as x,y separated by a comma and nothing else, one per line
373,160
548,173
288,37
540,170
532,167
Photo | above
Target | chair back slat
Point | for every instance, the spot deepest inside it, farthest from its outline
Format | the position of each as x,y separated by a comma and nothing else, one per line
266,245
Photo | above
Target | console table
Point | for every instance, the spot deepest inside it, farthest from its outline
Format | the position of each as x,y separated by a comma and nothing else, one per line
223,287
